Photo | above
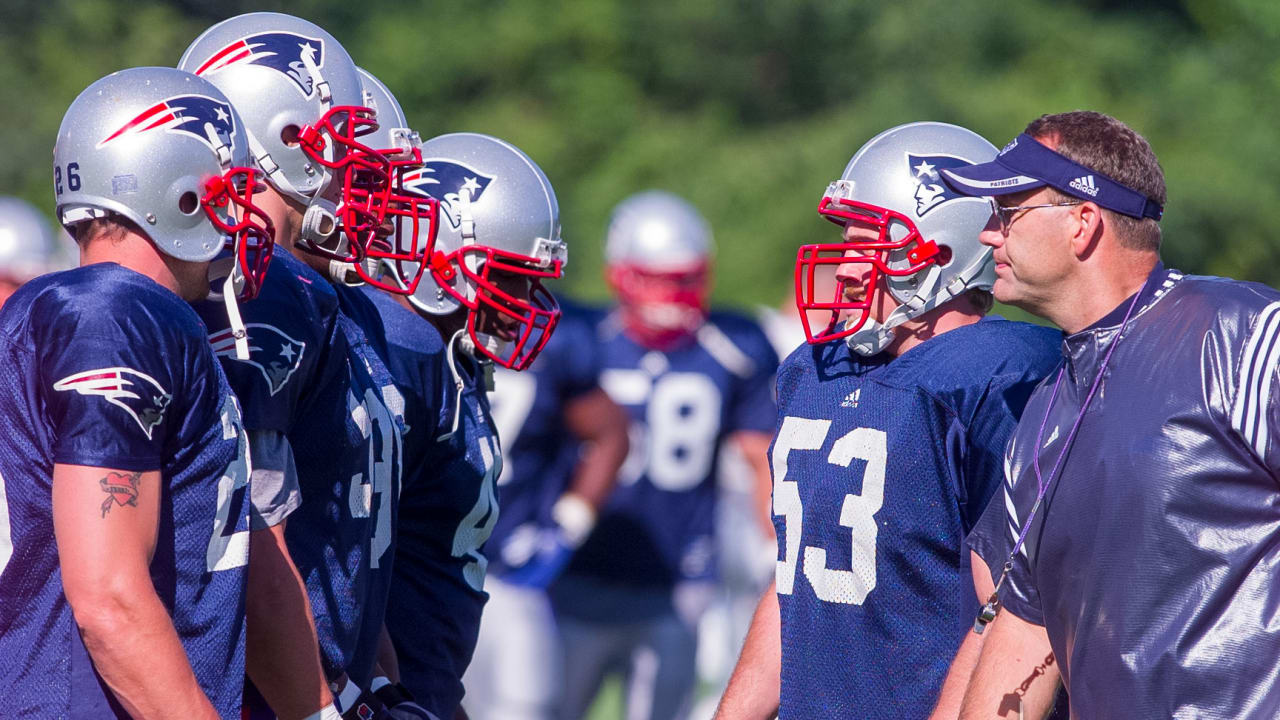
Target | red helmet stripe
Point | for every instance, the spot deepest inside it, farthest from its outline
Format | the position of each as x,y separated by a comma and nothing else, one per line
144,116
217,60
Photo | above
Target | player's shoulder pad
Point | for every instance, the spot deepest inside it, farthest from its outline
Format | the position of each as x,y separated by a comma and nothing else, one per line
110,301
738,343
974,354
404,328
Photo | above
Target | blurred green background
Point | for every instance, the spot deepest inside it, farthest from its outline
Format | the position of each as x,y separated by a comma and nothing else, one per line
746,107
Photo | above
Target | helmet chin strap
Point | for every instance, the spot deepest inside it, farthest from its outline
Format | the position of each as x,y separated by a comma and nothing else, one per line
461,340
231,286
490,342
873,337
319,221
870,339
344,273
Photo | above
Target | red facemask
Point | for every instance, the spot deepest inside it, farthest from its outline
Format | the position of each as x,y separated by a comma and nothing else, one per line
402,245
252,236
523,323
661,310
365,175
813,260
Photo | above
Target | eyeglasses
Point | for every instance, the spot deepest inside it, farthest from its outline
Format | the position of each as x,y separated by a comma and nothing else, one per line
1004,214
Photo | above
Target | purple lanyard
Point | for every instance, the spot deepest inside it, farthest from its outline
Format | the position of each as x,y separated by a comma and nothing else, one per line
992,607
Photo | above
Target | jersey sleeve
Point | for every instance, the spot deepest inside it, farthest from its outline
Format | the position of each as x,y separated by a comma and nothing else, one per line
1255,413
990,538
273,483
109,380
753,403
986,435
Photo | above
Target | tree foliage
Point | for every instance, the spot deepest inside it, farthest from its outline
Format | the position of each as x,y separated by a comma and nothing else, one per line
747,107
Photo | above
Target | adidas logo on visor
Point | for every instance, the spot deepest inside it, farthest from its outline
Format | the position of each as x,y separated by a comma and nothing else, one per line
1085,185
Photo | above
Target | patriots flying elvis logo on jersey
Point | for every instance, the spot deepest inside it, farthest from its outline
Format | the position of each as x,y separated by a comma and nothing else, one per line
276,355
445,181
285,52
134,392
931,191
208,120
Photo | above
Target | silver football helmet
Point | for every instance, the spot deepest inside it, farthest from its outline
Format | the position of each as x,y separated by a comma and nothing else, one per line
302,102
928,250
499,233
28,246
412,218
657,255
165,150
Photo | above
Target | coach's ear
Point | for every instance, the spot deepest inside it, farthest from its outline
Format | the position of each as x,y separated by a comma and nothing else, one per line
1086,228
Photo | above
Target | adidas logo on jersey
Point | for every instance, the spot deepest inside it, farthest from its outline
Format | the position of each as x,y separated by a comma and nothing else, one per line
851,400
1085,184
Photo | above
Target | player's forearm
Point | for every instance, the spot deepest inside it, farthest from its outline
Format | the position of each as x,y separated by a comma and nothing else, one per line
282,654
957,680
130,637
755,686
1015,673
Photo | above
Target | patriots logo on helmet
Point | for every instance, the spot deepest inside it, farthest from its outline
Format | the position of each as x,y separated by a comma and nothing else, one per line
286,52
276,355
445,181
931,191
134,392
208,120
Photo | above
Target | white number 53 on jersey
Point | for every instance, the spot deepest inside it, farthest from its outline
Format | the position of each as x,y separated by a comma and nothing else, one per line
856,513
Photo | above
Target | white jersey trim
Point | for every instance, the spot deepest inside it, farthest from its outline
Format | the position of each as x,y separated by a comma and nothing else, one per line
720,347
1249,416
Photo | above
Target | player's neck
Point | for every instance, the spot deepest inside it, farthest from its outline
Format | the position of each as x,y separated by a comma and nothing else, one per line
954,314
136,252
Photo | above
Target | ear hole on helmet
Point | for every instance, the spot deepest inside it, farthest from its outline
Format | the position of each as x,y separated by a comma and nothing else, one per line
944,255
289,135
188,203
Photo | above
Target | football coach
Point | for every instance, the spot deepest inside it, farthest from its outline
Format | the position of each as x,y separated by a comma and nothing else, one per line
1139,536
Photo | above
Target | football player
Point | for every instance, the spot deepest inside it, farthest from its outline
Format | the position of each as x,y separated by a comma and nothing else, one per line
1137,532
27,247
888,442
123,476
321,407
690,381
563,441
479,302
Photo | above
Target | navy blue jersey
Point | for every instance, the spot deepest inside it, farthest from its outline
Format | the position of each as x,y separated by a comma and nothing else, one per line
539,453
289,326
101,366
313,375
658,527
880,467
384,464
1151,562
447,510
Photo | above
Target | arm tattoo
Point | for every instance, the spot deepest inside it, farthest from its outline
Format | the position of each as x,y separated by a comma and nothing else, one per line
121,489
